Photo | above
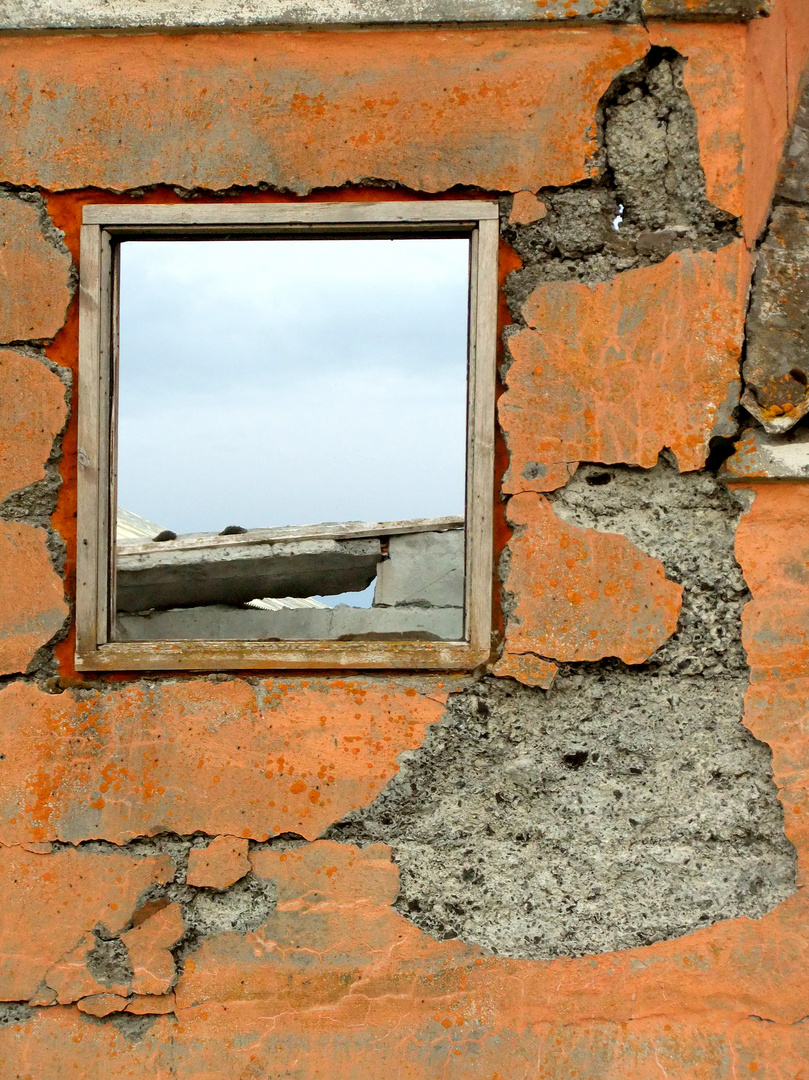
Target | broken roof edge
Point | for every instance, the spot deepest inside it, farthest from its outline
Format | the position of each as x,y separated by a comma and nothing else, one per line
342,530
84,15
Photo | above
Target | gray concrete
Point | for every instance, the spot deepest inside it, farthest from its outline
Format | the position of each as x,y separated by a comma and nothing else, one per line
79,14
626,805
171,574
776,366
423,568
794,179
221,623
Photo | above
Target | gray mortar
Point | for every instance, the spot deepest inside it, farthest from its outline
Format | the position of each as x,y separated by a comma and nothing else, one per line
625,806
14,1012
108,961
648,163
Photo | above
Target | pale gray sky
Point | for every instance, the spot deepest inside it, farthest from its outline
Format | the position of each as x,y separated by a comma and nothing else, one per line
284,382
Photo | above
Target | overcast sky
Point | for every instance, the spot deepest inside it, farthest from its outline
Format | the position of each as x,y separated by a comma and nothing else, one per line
291,382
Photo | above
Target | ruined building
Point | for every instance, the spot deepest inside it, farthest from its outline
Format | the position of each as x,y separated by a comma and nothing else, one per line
540,809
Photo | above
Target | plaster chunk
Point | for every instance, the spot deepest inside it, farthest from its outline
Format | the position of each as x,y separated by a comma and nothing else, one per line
52,901
794,179
583,595
34,412
36,275
776,366
102,1004
149,944
526,668
86,14
220,864
617,371
32,603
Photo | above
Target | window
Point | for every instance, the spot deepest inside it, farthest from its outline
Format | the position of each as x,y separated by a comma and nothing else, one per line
286,435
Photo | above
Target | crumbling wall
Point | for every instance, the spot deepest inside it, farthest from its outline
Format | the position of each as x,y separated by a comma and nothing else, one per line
586,860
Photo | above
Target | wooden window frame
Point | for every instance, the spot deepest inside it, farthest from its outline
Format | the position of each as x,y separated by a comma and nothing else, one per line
102,227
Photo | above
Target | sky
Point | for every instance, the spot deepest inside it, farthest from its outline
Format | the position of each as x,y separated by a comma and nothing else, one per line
291,382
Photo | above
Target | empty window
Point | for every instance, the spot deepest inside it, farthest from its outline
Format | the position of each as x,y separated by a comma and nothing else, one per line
286,435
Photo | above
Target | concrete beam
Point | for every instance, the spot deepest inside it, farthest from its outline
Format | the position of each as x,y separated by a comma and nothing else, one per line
169,576
225,623
151,14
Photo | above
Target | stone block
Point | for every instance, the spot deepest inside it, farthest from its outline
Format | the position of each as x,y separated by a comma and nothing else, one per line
35,272
423,568
33,413
776,366
581,594
32,602
617,371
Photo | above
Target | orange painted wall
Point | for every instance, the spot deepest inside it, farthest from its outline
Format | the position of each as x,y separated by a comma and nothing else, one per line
336,983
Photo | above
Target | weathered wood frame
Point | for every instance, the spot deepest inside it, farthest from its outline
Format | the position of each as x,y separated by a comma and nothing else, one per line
102,226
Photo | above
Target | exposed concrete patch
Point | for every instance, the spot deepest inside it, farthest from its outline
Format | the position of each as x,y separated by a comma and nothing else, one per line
648,201
625,805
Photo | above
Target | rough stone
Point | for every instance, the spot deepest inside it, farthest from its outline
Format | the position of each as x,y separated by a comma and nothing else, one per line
218,865
622,806
581,594
794,179
36,274
616,371
423,568
704,9
776,366
32,603
34,412
52,901
228,757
